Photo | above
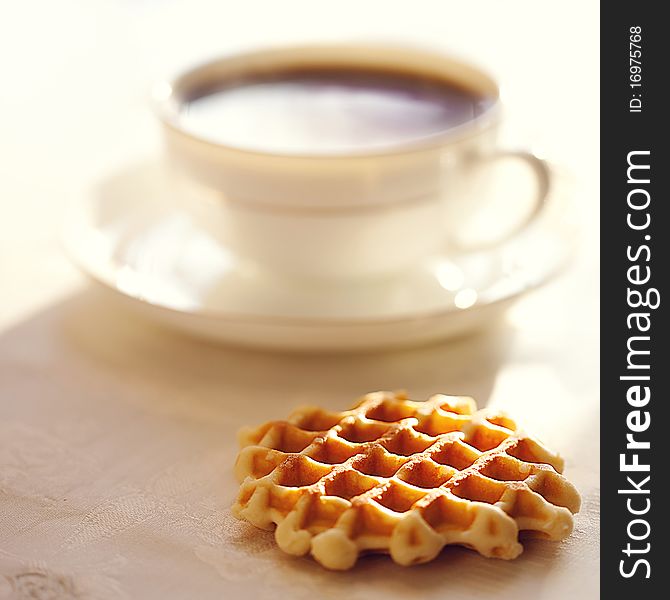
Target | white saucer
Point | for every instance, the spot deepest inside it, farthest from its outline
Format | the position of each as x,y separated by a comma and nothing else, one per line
136,235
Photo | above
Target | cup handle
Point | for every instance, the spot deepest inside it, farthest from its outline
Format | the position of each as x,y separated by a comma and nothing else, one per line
543,174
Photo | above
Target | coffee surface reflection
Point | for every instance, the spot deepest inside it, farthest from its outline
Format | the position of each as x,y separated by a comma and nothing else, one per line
329,111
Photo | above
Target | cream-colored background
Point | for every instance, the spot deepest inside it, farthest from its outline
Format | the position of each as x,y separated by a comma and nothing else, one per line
116,438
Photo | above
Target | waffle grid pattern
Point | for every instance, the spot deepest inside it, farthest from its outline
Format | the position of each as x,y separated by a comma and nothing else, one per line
401,477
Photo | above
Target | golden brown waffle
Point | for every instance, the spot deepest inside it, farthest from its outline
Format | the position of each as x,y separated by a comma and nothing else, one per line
402,477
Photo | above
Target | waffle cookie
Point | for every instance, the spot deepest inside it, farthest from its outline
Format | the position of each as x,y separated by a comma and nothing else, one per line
401,477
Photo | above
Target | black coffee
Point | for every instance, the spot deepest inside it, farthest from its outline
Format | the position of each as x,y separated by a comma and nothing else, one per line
330,111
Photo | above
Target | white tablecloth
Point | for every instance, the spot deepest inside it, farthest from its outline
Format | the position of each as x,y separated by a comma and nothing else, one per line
117,438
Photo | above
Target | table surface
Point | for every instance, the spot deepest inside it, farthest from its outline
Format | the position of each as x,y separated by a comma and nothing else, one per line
117,438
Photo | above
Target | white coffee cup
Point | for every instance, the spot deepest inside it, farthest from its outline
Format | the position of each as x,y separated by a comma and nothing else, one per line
342,216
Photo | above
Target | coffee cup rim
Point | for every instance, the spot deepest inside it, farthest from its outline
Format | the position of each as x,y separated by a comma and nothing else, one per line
170,94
